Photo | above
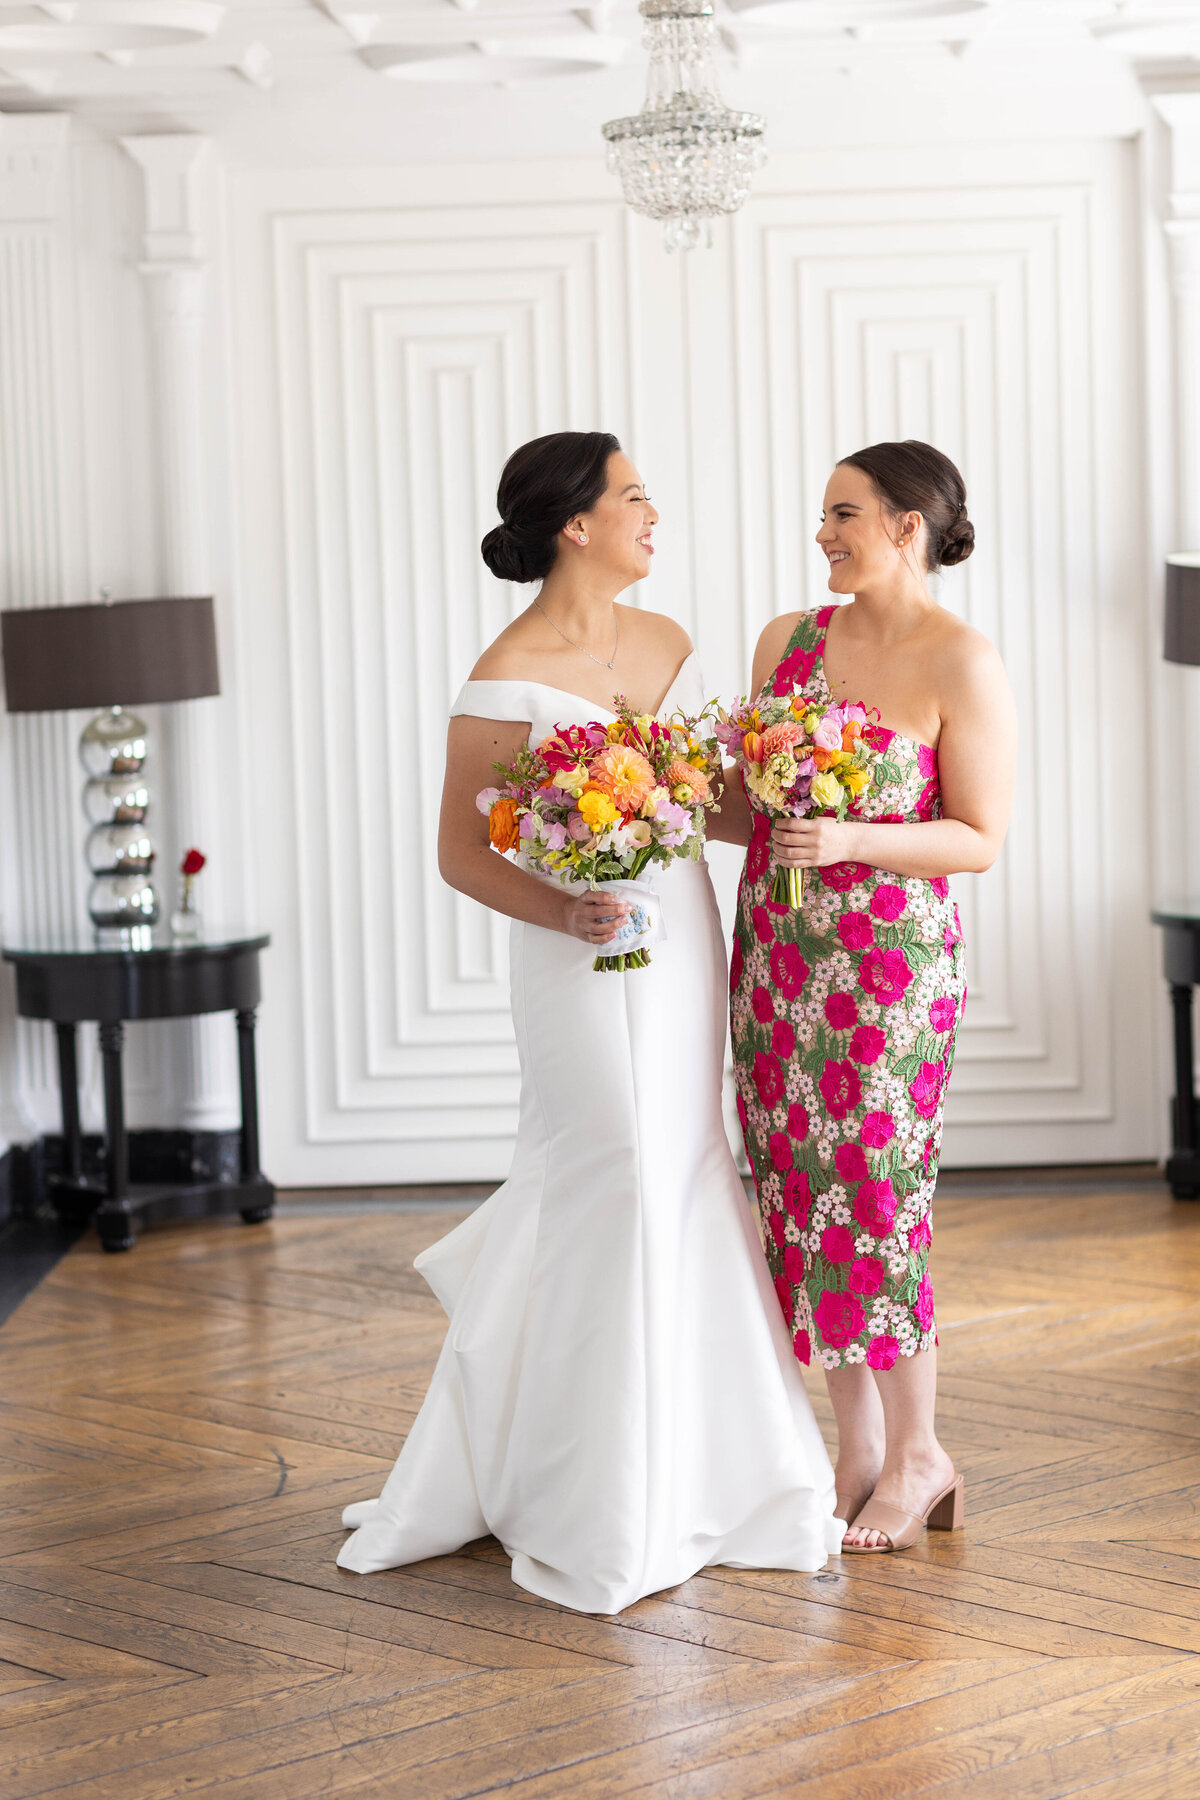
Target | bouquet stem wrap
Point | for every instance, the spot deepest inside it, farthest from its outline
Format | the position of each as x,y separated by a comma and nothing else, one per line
787,889
643,927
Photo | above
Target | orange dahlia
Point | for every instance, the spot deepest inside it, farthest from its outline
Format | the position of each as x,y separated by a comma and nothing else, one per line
684,774
625,775
779,739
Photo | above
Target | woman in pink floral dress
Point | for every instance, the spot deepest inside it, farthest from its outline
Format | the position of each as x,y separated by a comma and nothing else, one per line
845,1012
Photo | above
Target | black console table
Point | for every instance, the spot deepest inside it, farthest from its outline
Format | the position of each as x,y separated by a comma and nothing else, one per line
159,977
1181,964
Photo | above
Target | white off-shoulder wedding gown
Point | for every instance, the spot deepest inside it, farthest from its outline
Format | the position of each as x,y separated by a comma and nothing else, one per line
617,1400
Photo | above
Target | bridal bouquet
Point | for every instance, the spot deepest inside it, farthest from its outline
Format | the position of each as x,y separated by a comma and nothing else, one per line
601,803
799,757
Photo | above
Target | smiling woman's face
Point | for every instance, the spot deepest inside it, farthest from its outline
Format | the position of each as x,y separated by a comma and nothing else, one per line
859,538
618,528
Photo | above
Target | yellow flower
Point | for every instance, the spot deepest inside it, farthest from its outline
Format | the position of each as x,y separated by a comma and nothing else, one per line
598,810
653,801
827,790
856,779
572,781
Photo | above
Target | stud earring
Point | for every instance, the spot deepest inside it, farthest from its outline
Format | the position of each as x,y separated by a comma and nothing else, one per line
582,538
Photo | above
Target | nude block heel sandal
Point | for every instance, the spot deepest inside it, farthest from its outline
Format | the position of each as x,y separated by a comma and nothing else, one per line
945,1512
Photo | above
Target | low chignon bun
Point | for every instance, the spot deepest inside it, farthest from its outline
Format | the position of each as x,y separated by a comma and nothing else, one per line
958,543
513,555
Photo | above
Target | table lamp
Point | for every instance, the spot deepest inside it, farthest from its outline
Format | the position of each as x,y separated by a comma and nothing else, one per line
1181,638
112,655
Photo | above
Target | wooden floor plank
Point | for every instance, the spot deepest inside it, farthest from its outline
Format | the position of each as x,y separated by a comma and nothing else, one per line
180,1429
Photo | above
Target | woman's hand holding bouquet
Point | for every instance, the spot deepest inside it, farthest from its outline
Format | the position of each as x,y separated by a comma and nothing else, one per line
800,758
600,803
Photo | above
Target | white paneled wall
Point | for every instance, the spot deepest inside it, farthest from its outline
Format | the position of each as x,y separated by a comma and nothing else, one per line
396,333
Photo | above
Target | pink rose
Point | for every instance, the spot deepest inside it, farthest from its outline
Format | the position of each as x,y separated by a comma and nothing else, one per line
868,1045
789,971
839,1318
928,798
941,887
841,1011
923,1304
882,1352
841,877
850,1163
758,854
802,1347
797,1121
797,1196
855,930
926,1088
926,762
920,1237
764,931
888,901
781,1150
793,1263
768,1079
837,1244
761,1005
783,1038
787,1299
866,1275
840,1088
878,1129
885,974
775,1225
779,907
736,962
943,1013
875,1206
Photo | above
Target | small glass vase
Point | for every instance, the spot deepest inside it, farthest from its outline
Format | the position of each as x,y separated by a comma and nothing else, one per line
185,920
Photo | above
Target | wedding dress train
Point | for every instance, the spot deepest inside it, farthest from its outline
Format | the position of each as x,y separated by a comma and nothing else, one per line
617,1399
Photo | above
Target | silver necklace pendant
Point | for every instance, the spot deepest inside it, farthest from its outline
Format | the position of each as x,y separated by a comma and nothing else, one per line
582,648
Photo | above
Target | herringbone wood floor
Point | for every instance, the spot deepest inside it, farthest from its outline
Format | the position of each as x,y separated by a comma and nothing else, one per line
180,1427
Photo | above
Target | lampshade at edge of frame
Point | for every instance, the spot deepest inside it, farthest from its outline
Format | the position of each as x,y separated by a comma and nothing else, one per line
1181,625
116,653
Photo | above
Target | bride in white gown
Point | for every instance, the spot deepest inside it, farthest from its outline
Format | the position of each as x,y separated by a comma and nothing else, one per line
617,1400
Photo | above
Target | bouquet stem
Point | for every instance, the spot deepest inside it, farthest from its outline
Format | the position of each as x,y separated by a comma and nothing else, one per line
788,888
634,959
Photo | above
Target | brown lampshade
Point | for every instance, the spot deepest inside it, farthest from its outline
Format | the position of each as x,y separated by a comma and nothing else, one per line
1182,635
116,653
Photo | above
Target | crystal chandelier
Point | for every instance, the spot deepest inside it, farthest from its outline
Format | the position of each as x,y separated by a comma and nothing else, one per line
686,156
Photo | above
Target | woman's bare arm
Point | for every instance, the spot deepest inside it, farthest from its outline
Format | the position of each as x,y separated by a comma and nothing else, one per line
977,754
467,860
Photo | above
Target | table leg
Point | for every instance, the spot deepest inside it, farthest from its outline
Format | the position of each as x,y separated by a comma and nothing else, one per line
248,1084
114,1221
68,1087
1183,1166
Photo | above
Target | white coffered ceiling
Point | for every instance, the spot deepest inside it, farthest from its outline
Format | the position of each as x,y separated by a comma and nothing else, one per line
198,63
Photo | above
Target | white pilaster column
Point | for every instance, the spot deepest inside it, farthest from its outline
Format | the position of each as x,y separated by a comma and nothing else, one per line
177,282
42,879
1181,113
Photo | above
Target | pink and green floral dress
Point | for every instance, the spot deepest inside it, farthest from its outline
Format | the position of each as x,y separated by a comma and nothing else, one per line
845,1014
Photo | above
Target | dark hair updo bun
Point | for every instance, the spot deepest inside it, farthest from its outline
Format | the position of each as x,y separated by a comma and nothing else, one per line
543,484
914,477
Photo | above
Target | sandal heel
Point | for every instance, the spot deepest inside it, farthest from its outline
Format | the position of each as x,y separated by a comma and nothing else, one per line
950,1511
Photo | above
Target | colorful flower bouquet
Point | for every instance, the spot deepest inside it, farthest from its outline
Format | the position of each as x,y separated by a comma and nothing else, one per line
600,803
799,758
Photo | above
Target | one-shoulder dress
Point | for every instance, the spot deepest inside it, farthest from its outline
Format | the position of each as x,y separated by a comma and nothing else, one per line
616,1399
845,1014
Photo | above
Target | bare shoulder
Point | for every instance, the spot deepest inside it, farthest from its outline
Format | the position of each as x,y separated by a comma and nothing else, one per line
657,631
776,634
963,655
506,657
